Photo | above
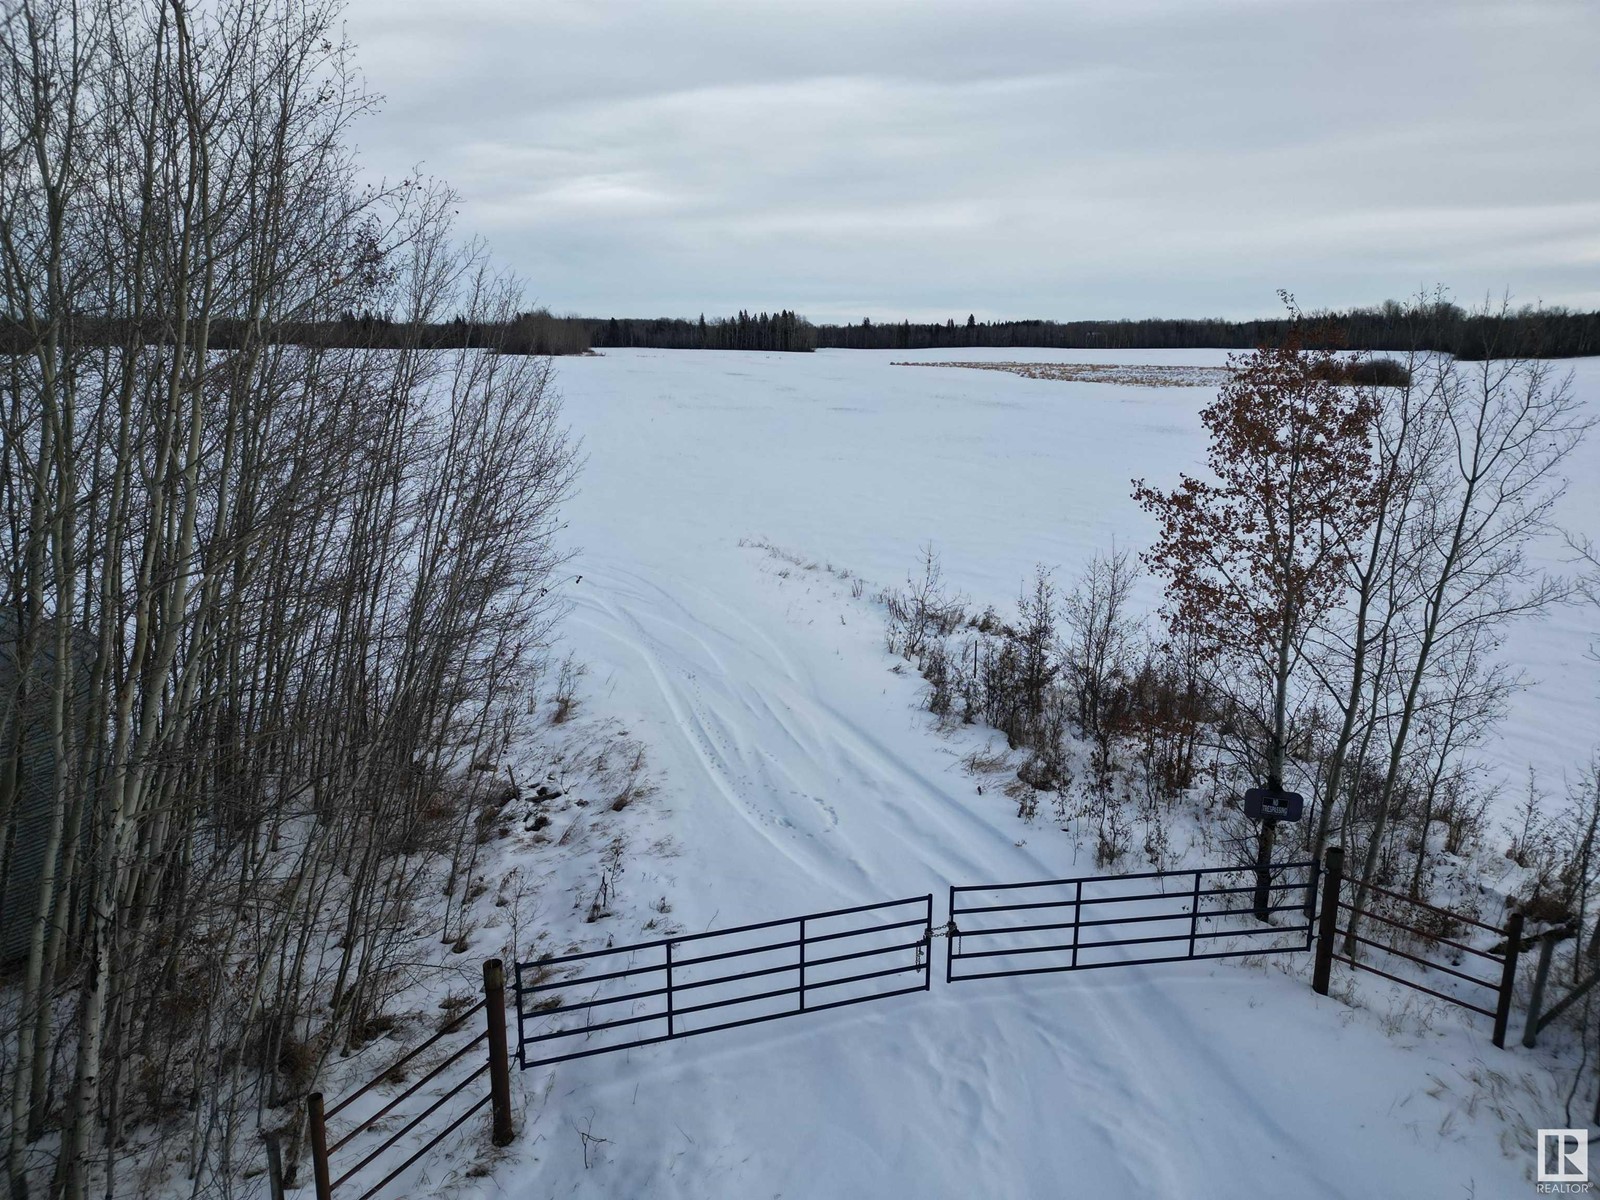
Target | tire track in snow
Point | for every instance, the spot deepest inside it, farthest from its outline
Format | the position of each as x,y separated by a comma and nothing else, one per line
700,727
750,719
908,808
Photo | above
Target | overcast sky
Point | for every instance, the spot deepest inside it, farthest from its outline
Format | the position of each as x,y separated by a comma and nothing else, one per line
1046,159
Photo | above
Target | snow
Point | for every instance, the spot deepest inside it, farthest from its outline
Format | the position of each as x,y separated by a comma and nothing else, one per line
796,772
842,457
729,502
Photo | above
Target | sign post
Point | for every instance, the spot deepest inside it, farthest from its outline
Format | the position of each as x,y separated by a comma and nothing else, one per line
1269,805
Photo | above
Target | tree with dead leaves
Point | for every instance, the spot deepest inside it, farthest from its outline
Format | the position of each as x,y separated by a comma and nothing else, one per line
1253,557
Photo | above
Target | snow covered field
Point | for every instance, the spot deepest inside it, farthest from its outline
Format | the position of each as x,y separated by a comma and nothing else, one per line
797,772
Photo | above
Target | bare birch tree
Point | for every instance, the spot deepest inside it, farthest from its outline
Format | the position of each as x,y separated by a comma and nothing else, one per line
265,603
1499,429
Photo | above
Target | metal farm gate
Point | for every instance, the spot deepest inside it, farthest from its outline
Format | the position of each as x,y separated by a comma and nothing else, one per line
679,986
575,1005
1079,924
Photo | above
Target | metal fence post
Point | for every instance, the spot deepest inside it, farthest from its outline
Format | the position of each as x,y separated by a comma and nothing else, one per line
319,1146
1508,978
494,993
1328,920
950,935
1541,976
669,990
1077,919
516,994
802,964
1194,914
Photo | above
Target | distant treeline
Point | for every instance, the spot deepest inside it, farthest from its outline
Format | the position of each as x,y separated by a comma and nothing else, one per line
1528,332
776,331
1542,333
535,332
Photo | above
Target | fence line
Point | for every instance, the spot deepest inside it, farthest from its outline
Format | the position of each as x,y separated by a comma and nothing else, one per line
495,1065
670,976
996,942
1540,1017
790,958
1330,931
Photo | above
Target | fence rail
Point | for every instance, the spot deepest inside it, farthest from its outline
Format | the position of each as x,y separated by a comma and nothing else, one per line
1082,942
804,958
495,1066
572,1006
1539,1017
1331,932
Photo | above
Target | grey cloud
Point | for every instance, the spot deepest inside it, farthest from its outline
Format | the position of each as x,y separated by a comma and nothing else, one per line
1049,159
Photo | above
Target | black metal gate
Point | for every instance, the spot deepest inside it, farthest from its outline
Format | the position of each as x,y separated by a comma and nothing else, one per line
654,991
1078,924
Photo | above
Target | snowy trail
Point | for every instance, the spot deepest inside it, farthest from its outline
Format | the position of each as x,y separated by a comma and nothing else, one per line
757,745
781,758
798,774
